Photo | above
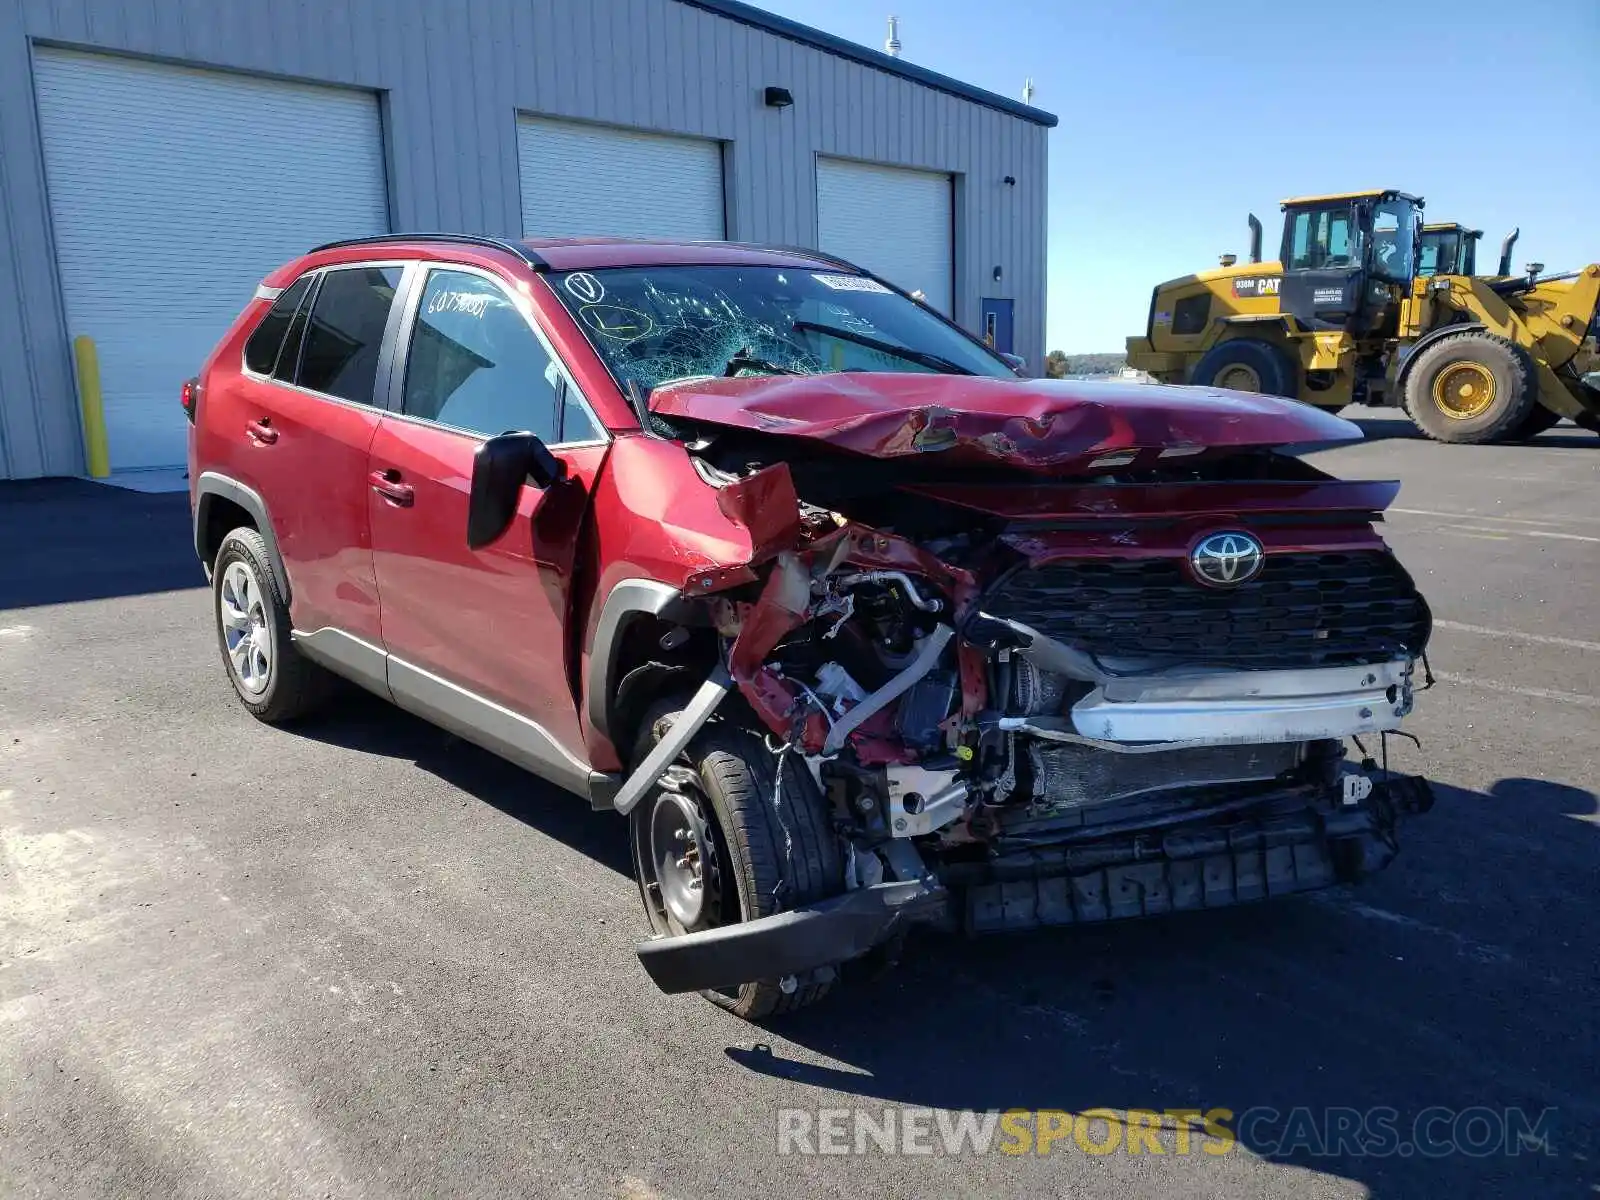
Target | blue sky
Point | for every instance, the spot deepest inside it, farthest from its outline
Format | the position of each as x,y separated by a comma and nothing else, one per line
1178,118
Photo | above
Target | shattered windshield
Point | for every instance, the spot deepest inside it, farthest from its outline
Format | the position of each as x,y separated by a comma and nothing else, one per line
655,325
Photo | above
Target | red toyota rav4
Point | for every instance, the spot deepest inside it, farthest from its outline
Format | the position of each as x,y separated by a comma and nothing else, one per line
859,628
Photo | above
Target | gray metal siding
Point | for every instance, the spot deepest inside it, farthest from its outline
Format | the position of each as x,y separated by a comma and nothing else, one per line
454,78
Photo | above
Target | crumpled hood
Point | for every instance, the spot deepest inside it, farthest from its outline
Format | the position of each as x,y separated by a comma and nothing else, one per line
1054,425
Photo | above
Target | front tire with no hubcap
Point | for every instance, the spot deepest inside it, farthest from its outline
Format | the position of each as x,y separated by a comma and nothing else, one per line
721,841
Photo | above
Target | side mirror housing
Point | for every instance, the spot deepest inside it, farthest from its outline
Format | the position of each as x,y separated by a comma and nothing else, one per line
1016,362
499,469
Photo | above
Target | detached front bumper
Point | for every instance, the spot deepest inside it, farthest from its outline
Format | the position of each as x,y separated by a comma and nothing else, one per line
790,943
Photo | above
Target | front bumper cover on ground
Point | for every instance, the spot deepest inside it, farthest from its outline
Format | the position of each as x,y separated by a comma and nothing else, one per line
790,943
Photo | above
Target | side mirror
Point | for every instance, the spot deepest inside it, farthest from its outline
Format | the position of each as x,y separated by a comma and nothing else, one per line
499,469
1016,362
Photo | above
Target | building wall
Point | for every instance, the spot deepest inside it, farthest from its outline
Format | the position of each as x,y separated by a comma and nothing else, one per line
453,76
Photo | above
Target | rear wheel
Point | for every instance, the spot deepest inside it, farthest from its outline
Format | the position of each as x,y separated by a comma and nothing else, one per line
1471,388
1247,365
722,842
270,675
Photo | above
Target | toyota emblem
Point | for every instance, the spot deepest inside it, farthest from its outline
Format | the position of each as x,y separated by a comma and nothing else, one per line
1227,559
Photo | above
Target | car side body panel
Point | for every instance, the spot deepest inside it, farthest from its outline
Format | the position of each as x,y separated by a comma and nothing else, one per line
490,620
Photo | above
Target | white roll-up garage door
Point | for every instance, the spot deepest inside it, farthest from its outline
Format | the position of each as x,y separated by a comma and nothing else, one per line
172,192
895,222
579,179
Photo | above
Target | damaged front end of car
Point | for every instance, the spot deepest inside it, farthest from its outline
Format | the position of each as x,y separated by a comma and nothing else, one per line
1104,657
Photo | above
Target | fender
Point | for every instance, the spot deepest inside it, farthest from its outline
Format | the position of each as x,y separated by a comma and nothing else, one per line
211,486
1408,356
1217,333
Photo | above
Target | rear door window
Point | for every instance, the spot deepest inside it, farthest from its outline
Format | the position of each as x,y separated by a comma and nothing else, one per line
266,343
345,333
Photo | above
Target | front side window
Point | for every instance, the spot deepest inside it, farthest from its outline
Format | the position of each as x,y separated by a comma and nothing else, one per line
345,333
1321,239
262,350
1394,234
475,364
653,325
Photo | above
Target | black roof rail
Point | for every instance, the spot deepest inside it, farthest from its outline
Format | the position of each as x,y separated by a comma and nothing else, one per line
516,249
820,256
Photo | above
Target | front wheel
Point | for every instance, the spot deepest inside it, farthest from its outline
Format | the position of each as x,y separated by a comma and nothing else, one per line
1471,388
722,842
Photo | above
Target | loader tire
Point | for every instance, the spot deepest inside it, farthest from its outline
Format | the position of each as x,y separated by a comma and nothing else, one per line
1471,388
1247,365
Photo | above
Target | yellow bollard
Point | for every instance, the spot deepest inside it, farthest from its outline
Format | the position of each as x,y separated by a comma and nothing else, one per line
94,413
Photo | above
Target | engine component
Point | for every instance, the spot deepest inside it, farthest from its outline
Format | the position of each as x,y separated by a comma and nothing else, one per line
928,604
834,683
1037,693
926,705
927,657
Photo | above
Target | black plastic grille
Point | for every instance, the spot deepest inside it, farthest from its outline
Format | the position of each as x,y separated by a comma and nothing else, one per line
1303,610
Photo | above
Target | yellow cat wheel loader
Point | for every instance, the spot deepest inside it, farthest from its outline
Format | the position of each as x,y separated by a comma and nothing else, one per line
1344,316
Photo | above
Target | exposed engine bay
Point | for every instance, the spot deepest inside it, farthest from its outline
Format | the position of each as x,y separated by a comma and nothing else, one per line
1128,691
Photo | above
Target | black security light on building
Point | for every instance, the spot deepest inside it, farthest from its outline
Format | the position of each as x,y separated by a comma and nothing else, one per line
778,97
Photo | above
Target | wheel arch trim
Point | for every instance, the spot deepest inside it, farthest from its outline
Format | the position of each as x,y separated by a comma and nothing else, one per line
211,486
629,600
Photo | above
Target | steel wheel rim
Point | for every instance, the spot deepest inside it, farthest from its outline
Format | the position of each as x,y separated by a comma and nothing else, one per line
1464,390
683,860
246,633
1237,377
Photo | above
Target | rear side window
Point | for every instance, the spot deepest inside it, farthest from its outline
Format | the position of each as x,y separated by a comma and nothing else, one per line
261,351
345,334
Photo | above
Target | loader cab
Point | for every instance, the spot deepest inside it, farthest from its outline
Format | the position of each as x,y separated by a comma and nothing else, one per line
1348,260
1448,249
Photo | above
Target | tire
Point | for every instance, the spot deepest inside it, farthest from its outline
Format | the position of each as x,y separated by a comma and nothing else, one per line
1247,365
1470,388
269,674
774,860
1538,420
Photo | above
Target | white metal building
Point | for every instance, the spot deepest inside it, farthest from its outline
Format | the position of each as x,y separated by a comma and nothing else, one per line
157,159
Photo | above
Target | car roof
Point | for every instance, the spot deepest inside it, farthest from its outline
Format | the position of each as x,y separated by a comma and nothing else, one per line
595,253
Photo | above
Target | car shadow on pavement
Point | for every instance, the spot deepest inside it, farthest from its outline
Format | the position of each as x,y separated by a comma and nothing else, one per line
64,540
1427,1002
364,722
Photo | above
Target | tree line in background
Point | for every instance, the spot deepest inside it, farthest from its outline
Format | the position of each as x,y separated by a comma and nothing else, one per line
1059,366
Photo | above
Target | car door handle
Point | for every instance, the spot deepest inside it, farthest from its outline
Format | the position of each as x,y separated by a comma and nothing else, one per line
262,431
387,484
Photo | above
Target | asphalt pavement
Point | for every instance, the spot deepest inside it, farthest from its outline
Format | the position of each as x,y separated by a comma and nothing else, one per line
362,958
